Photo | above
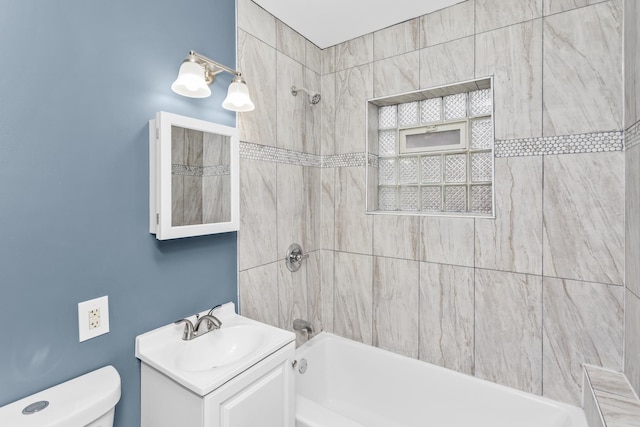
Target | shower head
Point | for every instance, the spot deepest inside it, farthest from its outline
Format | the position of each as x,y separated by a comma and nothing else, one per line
314,97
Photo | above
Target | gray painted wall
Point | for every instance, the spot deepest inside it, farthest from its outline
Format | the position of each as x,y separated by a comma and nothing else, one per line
78,83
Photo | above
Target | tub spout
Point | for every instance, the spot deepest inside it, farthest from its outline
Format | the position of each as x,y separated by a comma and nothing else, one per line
303,326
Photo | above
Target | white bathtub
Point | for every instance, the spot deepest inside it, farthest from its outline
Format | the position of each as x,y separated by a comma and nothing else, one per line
348,384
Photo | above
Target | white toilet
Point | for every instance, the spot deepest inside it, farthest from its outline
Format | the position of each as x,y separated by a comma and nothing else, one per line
85,401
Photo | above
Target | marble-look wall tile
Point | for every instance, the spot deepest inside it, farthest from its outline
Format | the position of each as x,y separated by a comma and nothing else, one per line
257,61
508,334
632,340
583,233
557,6
582,324
292,295
290,109
397,74
632,222
353,297
353,87
447,63
289,42
492,14
395,305
353,228
311,142
513,240
312,213
618,411
258,290
320,290
634,55
396,236
630,60
609,381
257,236
396,40
291,208
590,406
447,240
582,70
328,115
447,24
256,21
447,316
327,208
355,52
313,57
513,55
329,60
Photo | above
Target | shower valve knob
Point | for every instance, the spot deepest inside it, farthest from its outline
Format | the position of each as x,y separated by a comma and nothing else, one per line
295,257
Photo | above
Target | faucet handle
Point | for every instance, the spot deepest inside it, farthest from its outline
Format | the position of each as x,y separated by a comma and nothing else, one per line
188,333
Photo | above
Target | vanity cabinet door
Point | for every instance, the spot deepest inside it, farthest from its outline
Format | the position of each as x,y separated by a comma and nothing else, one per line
265,397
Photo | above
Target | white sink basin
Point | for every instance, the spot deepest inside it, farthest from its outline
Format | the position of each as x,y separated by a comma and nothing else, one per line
210,360
218,348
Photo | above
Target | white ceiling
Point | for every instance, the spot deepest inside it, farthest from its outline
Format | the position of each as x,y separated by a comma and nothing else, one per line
329,22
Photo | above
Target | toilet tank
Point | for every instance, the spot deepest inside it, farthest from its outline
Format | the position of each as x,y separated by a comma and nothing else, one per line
88,400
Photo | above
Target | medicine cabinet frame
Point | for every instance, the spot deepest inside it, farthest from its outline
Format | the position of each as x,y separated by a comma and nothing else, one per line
160,177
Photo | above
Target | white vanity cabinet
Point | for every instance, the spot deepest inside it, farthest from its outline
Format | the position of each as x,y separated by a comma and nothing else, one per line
261,396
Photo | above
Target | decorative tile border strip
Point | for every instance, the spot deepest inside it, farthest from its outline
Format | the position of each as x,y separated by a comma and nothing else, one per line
562,144
252,151
343,160
632,135
185,170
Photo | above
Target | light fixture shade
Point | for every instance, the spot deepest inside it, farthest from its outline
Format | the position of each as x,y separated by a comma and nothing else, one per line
190,81
238,97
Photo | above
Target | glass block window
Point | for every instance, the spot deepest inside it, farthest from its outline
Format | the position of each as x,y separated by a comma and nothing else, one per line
437,178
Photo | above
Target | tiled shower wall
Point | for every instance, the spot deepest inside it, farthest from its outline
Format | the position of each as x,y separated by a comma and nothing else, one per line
632,177
522,299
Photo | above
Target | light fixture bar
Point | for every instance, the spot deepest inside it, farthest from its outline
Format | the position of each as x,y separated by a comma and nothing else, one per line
198,72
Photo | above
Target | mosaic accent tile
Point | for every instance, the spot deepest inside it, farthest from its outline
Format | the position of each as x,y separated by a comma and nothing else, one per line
387,143
409,199
431,110
346,160
561,144
480,102
455,198
431,169
455,169
408,114
387,117
387,198
455,106
387,172
431,200
279,155
409,170
481,135
632,135
481,198
481,167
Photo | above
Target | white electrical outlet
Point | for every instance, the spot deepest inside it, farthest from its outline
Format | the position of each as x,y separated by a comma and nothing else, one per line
93,318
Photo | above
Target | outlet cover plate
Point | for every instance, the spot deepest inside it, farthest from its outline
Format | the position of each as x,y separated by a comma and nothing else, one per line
85,309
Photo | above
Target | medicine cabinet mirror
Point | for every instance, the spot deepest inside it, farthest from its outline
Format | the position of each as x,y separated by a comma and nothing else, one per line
193,174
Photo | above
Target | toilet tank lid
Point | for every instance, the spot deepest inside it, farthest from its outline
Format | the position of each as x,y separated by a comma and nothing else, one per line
76,402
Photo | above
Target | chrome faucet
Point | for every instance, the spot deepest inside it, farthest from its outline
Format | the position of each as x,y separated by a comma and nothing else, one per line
303,326
192,331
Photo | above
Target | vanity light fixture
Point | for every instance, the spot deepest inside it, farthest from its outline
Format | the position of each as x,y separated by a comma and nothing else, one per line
198,72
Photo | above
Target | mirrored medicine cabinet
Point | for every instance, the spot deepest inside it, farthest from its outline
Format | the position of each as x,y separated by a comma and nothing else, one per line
193,175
